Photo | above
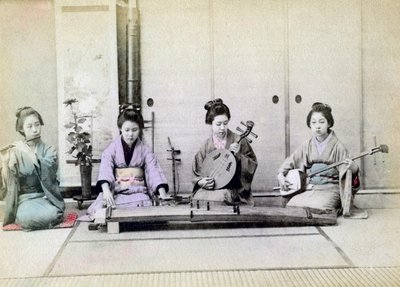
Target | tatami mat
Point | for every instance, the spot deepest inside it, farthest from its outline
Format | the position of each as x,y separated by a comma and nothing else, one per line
352,253
347,277
369,243
25,254
83,234
196,254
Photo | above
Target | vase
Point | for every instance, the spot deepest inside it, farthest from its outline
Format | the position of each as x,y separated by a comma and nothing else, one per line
86,180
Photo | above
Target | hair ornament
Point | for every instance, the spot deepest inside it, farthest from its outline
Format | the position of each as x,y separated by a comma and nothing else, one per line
129,107
18,113
212,103
318,104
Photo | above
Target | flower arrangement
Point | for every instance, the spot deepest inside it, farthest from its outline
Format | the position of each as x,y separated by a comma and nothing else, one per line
80,140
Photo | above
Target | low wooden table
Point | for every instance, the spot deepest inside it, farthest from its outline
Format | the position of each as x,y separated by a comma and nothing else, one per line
186,216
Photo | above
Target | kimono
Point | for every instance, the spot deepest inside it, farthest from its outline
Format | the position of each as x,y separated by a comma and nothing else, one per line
33,198
323,190
113,158
238,189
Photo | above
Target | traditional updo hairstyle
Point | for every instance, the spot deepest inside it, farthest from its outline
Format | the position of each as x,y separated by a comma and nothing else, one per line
22,114
130,112
325,110
216,108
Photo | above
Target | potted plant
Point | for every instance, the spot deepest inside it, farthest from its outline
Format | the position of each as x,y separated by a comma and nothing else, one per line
81,147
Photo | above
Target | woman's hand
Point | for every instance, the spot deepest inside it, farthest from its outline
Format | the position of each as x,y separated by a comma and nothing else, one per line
108,198
162,194
351,165
283,183
206,183
234,147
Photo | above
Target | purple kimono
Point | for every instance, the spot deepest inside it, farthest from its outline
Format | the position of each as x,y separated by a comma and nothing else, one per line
114,156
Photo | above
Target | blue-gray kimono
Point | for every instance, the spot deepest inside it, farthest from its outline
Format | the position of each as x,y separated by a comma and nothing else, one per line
323,190
33,199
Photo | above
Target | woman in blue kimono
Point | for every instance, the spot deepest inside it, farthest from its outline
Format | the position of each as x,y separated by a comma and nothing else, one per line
29,175
324,191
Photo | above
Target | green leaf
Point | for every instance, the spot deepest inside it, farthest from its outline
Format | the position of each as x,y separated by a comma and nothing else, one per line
83,135
71,139
69,102
69,125
86,137
71,150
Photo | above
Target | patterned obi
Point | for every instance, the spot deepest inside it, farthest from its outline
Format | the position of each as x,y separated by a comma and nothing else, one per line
128,177
328,176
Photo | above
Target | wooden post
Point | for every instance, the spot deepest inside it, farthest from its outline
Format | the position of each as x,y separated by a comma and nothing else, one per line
347,194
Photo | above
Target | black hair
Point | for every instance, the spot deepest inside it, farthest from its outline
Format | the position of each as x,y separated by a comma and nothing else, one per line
325,110
130,113
22,114
216,108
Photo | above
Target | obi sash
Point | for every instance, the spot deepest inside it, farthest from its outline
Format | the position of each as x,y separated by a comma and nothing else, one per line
328,176
128,177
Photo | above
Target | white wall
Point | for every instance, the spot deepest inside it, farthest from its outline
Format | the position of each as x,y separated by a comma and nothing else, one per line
343,53
381,90
185,63
28,66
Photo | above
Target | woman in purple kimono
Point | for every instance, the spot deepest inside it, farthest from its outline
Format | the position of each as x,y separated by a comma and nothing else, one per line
29,177
238,190
130,174
322,149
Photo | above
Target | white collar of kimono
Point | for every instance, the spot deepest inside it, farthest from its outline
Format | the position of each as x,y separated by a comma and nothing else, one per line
322,145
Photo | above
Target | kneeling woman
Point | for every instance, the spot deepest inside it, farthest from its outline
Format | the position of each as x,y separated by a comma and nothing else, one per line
238,189
130,174
29,172
321,150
